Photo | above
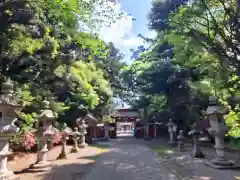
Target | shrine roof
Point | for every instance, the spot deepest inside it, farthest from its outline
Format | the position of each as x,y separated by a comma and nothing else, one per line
92,121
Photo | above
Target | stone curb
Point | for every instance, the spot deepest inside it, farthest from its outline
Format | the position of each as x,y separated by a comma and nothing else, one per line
171,170
229,149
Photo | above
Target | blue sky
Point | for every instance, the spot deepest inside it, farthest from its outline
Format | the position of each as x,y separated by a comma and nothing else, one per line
124,32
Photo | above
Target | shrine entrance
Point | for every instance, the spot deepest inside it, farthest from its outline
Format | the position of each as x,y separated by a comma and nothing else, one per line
126,121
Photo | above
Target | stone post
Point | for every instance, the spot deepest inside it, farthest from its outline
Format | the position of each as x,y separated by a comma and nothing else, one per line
181,139
75,137
218,129
196,152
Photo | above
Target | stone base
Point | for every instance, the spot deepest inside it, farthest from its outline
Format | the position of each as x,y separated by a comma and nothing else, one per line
62,156
9,176
83,145
197,153
222,164
40,167
74,150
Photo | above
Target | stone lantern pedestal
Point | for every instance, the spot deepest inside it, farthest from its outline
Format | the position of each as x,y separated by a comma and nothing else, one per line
181,139
44,133
75,136
196,152
8,106
42,164
64,138
83,131
218,129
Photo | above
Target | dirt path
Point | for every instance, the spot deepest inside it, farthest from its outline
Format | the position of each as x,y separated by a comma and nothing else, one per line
62,169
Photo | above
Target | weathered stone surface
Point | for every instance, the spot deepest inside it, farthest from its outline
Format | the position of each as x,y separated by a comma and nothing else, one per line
181,139
218,129
196,152
131,161
75,136
44,133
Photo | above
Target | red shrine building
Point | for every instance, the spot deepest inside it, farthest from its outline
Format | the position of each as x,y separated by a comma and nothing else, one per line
126,118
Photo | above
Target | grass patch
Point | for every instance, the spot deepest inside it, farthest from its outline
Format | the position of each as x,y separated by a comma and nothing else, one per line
164,151
167,156
235,144
100,146
101,149
94,157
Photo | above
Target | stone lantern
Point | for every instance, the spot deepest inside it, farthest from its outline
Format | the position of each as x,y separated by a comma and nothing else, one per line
196,151
8,106
172,129
75,136
65,133
83,131
181,139
218,129
45,131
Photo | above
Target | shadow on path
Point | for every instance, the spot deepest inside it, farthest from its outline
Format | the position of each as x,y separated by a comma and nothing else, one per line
72,169
127,159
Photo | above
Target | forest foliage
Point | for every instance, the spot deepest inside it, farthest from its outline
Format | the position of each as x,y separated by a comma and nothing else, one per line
194,55
47,50
50,49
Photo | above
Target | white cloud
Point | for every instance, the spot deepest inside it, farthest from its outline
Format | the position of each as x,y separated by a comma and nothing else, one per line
132,41
120,33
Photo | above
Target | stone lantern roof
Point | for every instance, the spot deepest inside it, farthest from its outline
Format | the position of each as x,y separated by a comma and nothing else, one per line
46,113
214,107
7,95
92,121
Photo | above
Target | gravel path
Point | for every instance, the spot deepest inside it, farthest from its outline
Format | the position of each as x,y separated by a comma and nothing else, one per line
125,160
129,160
